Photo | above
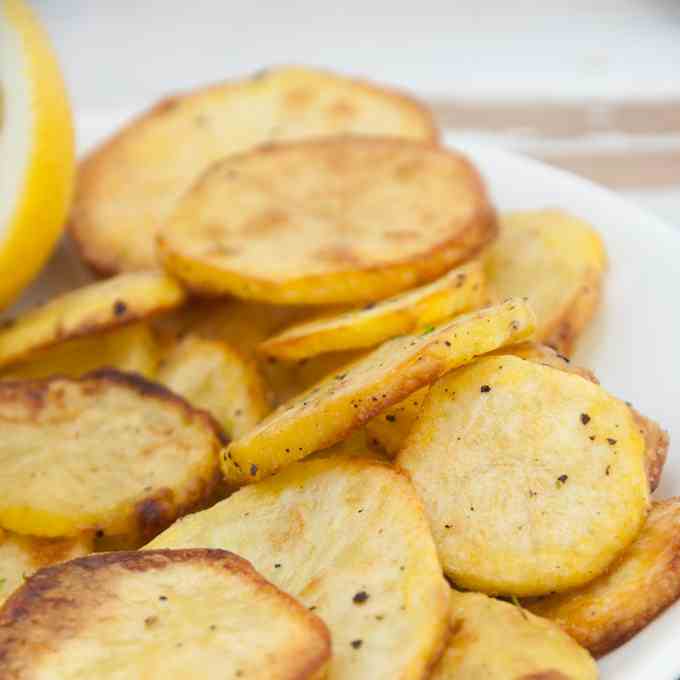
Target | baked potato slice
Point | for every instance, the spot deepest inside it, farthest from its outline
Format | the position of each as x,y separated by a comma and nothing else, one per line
349,539
183,614
495,640
533,478
327,221
558,261
345,401
109,453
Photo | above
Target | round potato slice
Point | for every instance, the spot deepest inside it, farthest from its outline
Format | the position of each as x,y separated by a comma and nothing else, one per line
533,478
460,290
128,187
213,376
341,403
21,556
349,539
327,221
111,453
91,309
181,614
607,612
558,261
495,640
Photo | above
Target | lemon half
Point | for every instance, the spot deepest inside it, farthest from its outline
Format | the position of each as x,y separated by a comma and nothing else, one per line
37,149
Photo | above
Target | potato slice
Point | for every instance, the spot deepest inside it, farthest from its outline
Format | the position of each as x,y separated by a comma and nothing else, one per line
357,445
182,614
558,261
21,556
349,539
91,309
607,612
213,376
657,442
328,412
533,478
495,640
131,348
341,220
111,453
128,187
460,290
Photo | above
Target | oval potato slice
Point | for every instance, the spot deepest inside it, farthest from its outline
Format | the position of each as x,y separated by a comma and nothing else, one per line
607,612
128,187
97,307
213,376
495,640
110,452
459,291
327,221
349,539
341,403
21,556
558,261
533,478
181,614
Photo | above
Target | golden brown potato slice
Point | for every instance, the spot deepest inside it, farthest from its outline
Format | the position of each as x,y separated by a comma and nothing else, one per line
128,187
607,612
343,402
213,376
131,348
349,539
91,309
341,220
110,453
657,442
461,290
533,478
558,261
183,614
495,640
21,556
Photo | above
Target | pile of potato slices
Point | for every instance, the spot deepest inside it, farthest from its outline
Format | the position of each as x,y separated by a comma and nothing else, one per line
318,418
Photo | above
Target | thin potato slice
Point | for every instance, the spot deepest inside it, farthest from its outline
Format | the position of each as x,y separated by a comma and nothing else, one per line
494,640
110,453
328,412
459,291
21,556
340,220
357,445
607,612
349,539
213,376
131,348
557,261
181,614
128,187
533,478
91,309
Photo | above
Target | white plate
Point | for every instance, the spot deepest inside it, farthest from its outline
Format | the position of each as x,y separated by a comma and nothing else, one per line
633,346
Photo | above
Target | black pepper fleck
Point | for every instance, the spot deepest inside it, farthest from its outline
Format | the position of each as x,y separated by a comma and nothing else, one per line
360,597
391,418
611,441
357,643
253,470
585,418
485,388
119,308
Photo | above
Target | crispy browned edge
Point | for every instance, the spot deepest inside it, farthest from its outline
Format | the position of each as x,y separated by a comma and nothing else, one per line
473,238
102,265
46,595
657,442
157,512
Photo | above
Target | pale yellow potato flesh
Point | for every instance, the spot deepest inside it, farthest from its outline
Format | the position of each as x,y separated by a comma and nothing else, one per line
213,376
495,640
93,308
110,453
461,290
349,539
181,614
607,612
533,478
558,262
341,403
327,221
